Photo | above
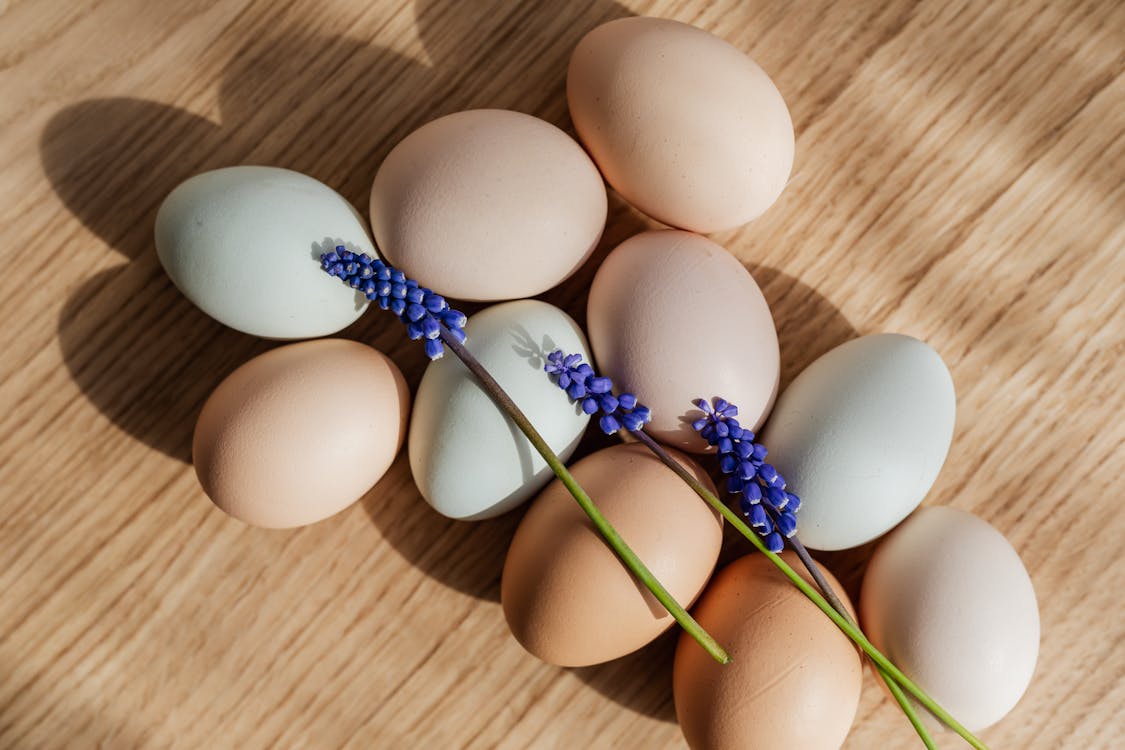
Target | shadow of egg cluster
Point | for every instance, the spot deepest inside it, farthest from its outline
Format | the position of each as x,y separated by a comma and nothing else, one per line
332,107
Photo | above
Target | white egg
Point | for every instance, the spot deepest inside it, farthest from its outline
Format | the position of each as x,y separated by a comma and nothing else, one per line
243,243
860,436
469,460
949,601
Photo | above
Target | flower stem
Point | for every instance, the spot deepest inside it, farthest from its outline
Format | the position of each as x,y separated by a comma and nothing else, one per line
612,538
850,630
896,691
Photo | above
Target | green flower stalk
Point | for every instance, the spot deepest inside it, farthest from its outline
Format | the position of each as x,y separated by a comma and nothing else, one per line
764,501
428,317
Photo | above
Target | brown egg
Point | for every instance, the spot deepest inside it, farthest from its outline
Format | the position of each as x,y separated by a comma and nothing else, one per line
301,432
567,597
794,679
684,125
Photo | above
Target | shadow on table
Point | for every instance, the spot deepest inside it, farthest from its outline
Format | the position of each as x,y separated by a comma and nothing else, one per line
142,353
147,358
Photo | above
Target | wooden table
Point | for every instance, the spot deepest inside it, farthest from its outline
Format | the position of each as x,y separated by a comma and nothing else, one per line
959,177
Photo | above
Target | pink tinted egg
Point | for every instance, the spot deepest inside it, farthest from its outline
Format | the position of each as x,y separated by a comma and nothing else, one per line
673,317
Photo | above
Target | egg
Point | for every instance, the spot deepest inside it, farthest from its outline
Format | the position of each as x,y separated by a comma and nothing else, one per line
948,600
684,125
469,459
860,435
301,432
243,244
673,317
488,205
566,596
794,679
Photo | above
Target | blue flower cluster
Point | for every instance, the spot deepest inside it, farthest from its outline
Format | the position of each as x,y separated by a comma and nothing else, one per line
770,510
423,311
595,393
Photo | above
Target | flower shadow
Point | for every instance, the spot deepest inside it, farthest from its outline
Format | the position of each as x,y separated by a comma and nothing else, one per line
526,347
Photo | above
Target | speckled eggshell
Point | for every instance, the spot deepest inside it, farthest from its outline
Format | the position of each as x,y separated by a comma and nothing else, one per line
470,461
243,244
684,125
566,596
674,317
860,435
301,432
948,600
794,679
488,205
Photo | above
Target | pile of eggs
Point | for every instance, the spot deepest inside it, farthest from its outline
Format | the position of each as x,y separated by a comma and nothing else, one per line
497,206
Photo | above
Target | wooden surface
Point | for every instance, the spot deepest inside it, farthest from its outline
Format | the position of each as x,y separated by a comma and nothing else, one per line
959,177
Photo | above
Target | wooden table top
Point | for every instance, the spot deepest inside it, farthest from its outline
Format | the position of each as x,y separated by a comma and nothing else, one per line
960,176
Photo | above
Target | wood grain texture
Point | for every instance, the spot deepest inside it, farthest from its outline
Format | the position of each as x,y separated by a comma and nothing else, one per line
960,176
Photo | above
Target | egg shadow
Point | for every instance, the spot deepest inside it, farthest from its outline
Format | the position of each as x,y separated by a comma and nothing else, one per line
467,556
143,355
808,324
147,358
138,350
640,681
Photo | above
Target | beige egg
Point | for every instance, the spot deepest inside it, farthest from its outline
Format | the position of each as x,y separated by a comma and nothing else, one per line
301,432
488,205
673,317
794,679
684,125
567,597
948,600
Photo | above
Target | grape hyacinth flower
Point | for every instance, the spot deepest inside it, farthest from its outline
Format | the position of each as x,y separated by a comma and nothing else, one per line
769,508
422,310
428,316
595,393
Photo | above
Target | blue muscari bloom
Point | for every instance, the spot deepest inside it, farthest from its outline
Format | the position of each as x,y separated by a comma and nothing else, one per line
595,394
422,310
763,499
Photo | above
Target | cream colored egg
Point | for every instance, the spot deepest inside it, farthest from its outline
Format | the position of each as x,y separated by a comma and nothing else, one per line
488,205
948,600
469,459
673,317
794,679
684,125
567,597
301,432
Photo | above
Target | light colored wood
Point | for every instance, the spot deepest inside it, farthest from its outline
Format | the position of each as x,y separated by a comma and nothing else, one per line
960,176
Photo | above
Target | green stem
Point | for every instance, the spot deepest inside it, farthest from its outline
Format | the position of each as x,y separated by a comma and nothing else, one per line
908,709
849,629
612,538
896,691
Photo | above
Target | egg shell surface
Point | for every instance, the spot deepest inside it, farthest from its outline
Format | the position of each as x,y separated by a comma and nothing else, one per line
567,598
794,679
949,601
860,435
488,205
684,125
301,432
674,317
243,244
469,459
